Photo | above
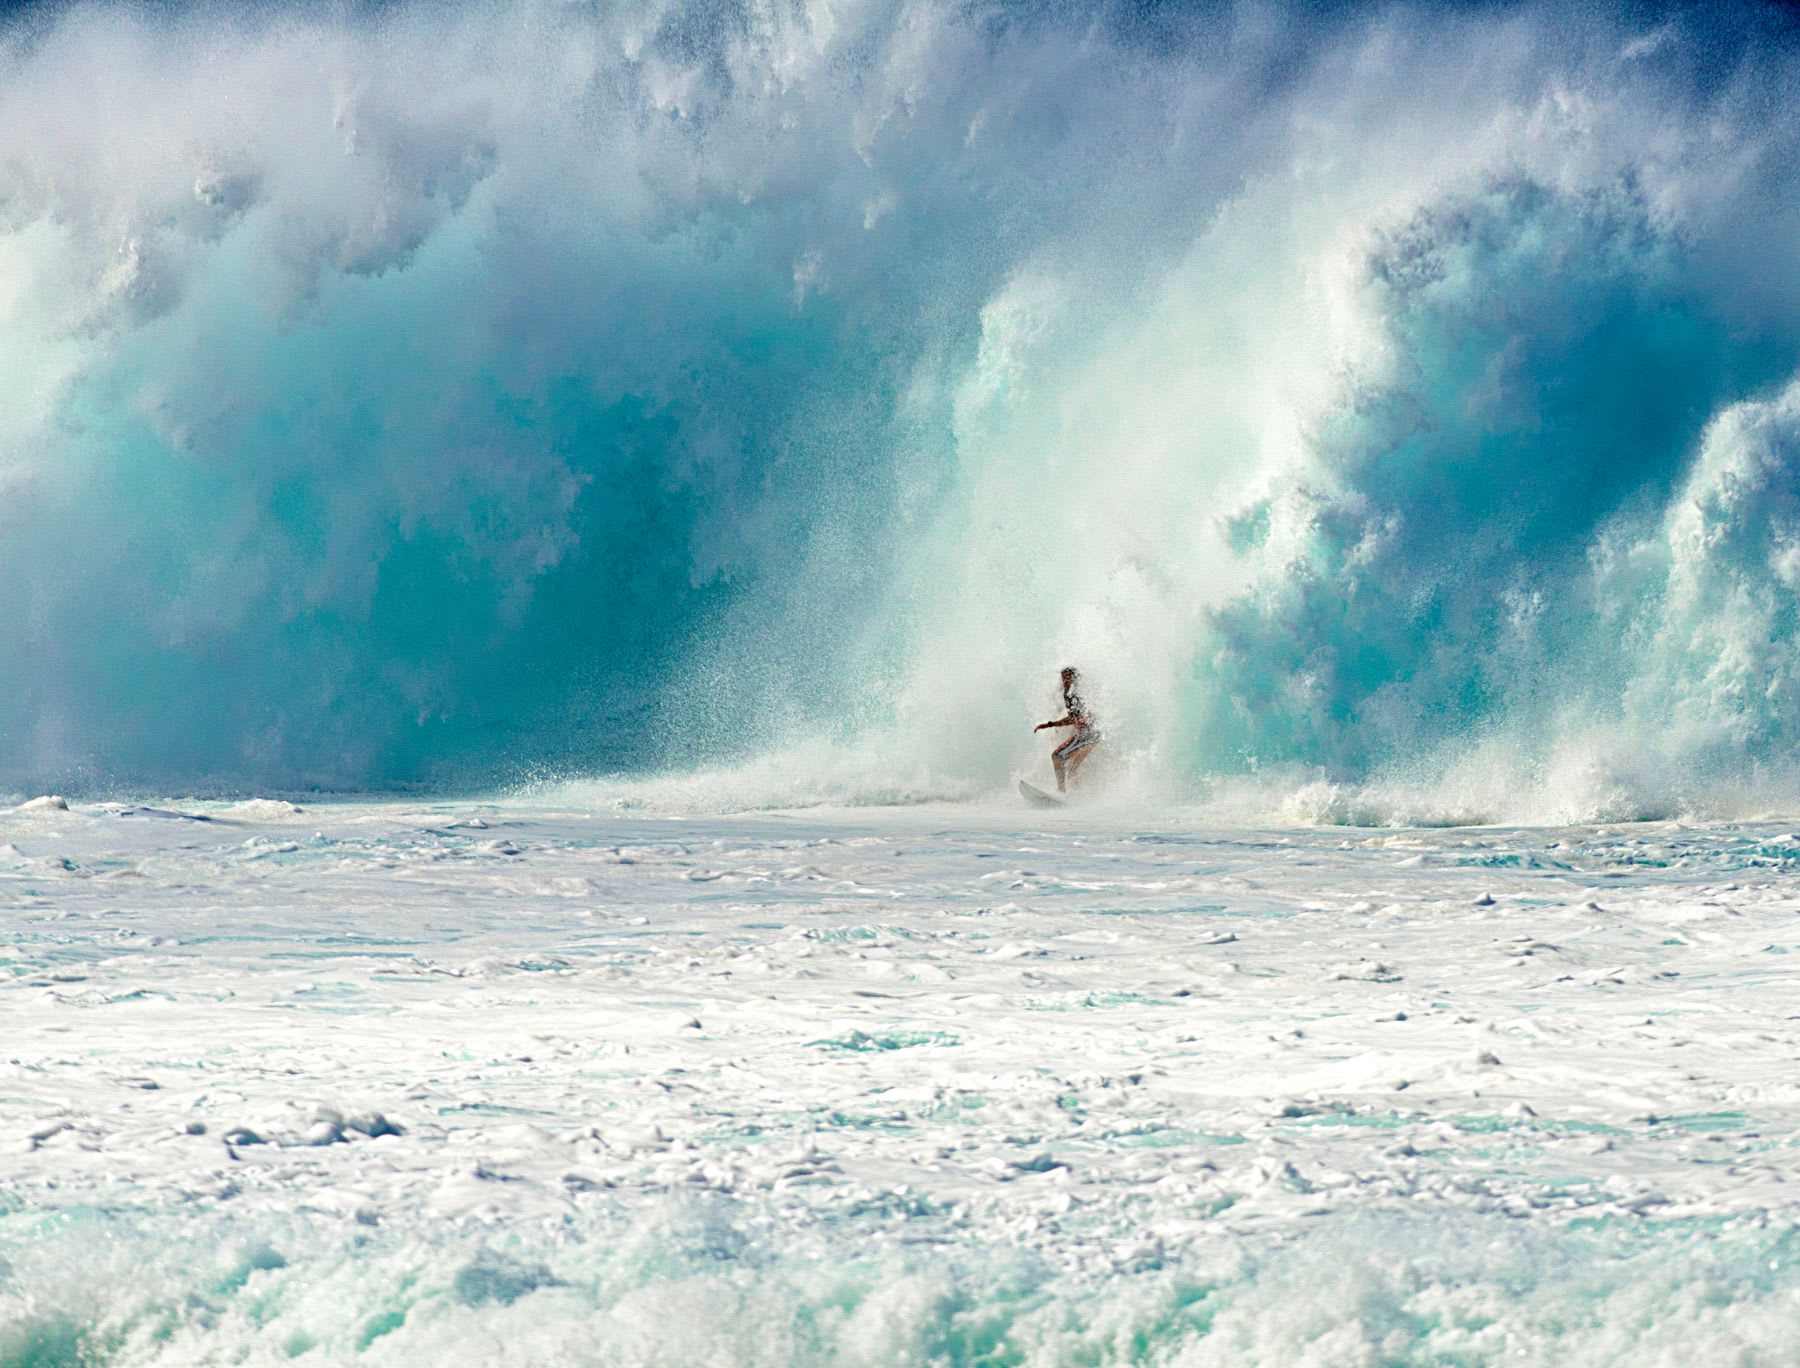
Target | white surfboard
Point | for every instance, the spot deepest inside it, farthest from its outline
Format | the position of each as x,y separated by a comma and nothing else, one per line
1034,795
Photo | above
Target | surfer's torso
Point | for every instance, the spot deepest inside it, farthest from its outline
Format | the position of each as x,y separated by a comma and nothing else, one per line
1077,710
1086,733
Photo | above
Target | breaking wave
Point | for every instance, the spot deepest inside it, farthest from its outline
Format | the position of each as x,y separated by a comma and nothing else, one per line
1397,416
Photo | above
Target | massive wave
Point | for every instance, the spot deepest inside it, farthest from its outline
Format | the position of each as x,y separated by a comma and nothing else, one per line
1396,413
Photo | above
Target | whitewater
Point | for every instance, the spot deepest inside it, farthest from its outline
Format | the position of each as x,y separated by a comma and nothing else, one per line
475,1083
533,539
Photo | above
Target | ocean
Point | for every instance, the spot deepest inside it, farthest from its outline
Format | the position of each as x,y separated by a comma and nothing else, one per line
533,539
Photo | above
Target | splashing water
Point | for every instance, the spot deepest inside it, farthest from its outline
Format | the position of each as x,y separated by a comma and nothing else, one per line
1397,417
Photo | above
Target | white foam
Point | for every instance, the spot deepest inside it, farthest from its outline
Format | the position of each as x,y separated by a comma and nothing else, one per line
1238,1095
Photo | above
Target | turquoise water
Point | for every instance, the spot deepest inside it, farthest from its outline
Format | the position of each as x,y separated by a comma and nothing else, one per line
433,397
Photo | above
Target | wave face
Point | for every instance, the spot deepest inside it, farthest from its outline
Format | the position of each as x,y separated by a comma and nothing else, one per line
1400,412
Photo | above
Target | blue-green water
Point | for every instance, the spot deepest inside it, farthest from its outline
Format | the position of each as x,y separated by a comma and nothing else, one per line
1391,407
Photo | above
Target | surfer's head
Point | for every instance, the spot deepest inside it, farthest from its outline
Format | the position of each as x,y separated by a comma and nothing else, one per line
1069,675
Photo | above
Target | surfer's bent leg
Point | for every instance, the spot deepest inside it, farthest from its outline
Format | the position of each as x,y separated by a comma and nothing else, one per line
1078,756
1068,757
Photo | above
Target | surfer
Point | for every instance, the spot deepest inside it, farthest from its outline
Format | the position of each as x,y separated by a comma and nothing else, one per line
1069,756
